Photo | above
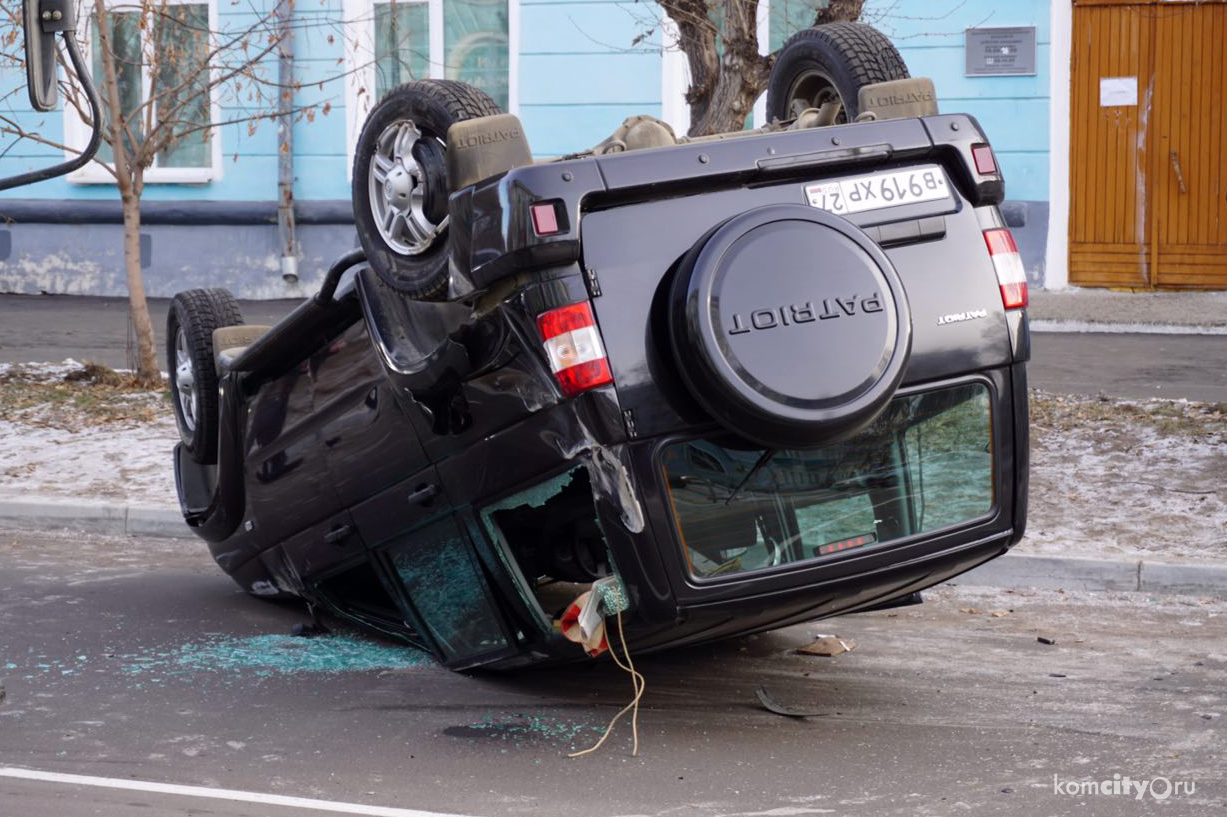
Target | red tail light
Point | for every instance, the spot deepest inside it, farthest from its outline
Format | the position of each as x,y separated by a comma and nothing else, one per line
986,162
573,345
1011,275
545,218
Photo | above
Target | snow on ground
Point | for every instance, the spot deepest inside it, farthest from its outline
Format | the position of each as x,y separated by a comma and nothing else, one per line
1109,478
117,448
131,465
1125,328
1116,478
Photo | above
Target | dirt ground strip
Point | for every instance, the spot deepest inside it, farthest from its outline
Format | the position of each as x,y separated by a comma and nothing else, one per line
1136,479
1110,478
76,430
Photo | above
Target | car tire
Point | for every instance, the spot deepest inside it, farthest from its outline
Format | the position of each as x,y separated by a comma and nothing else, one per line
400,198
829,63
193,316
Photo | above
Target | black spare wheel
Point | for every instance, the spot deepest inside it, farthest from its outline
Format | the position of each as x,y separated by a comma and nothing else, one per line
193,316
830,63
400,188
790,326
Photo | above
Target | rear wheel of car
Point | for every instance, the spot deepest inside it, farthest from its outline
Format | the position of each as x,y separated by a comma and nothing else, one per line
830,63
193,316
400,188
789,326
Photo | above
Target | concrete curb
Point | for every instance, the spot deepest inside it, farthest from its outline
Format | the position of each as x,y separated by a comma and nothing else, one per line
1115,575
1011,570
115,519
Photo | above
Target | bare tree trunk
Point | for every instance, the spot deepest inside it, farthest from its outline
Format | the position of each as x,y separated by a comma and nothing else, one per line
723,87
147,372
840,11
130,177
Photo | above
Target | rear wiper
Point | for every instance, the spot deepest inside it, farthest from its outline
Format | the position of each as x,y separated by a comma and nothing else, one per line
758,466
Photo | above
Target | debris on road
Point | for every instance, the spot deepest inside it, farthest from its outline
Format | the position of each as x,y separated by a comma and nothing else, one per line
772,705
828,646
1046,640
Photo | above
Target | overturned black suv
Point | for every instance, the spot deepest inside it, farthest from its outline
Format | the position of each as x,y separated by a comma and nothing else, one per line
736,382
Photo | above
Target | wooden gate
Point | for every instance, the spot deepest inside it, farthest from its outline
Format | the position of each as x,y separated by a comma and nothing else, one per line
1148,174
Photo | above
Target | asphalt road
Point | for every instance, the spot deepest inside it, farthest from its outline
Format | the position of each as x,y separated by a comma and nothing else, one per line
51,328
136,661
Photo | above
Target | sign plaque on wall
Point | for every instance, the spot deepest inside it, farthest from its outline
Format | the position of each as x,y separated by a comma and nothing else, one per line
1000,51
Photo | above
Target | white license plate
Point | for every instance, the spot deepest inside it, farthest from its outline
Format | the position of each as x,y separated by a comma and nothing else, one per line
879,190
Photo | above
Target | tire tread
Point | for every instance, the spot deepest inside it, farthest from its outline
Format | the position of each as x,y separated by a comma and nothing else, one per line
866,56
872,57
206,310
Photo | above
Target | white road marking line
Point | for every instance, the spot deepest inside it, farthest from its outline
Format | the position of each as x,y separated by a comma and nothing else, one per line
217,794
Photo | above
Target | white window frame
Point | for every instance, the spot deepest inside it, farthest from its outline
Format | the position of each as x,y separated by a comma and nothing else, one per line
76,133
360,54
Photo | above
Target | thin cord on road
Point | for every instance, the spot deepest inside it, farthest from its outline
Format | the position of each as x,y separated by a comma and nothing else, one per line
639,684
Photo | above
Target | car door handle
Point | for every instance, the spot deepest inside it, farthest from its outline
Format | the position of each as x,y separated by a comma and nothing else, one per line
423,495
338,534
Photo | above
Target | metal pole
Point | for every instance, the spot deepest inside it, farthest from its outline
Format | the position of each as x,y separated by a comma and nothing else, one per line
285,142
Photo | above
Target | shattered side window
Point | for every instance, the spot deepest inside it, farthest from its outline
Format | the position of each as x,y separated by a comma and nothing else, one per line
549,537
435,566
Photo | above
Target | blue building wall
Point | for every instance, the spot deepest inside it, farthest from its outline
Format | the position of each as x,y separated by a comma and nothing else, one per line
248,171
584,66
1012,110
581,72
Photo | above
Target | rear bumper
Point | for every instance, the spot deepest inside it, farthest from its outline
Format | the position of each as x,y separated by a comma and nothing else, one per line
772,609
671,607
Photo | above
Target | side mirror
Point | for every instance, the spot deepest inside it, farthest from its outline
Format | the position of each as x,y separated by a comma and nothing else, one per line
42,20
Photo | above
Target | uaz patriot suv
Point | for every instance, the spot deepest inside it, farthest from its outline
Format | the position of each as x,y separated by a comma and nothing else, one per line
748,380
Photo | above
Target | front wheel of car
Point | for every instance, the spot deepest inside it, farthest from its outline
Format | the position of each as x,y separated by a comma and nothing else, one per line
830,63
400,186
193,316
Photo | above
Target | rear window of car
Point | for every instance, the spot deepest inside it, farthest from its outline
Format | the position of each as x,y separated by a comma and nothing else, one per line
925,464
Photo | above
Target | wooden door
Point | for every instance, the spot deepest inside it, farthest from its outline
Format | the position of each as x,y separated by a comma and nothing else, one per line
1148,180
1189,129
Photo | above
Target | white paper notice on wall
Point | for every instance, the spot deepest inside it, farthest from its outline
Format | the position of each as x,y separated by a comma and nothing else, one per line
1117,92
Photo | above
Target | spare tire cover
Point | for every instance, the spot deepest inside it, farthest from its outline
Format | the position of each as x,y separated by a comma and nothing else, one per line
790,326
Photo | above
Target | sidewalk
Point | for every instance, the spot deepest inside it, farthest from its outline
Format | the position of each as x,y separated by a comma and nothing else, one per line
1099,310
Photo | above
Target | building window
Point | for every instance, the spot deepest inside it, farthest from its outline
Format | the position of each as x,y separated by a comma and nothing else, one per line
402,44
787,17
162,58
398,41
475,45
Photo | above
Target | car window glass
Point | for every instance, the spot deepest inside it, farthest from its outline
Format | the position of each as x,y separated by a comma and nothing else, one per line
435,566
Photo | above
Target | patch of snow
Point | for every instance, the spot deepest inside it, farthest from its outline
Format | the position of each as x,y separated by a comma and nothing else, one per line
42,372
1130,492
1125,328
129,465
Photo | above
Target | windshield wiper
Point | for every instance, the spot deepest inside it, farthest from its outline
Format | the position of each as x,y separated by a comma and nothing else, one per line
758,466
